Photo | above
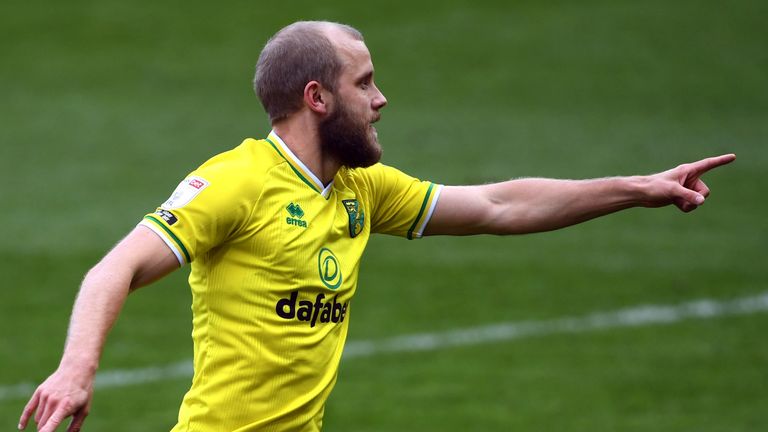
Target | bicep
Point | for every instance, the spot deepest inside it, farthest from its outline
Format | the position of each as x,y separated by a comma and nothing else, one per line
461,210
144,255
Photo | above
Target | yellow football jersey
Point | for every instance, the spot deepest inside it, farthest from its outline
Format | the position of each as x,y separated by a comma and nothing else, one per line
275,258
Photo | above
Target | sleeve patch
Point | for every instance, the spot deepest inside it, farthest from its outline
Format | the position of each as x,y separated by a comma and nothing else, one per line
185,192
167,216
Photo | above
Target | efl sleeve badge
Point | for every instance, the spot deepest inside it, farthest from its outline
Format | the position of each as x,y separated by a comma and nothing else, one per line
185,192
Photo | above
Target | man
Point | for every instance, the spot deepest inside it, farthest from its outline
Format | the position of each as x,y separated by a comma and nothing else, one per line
274,230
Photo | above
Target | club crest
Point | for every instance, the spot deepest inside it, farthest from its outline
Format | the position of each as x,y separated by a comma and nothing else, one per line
356,216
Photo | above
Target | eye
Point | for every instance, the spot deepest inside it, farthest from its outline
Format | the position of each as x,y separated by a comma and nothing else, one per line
364,86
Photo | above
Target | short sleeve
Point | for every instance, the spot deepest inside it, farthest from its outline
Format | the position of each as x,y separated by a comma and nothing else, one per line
402,205
205,210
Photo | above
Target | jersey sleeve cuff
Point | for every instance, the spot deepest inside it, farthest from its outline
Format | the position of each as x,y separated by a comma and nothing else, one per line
173,242
425,212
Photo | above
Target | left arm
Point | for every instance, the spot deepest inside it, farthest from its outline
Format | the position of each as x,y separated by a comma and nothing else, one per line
534,205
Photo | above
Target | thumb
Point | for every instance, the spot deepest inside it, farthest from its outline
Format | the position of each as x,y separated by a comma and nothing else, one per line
689,195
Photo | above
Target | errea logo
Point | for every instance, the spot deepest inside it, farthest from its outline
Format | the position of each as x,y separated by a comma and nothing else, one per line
296,213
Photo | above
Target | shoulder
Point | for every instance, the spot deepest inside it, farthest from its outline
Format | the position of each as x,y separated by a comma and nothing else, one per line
251,155
241,168
372,174
237,175
380,176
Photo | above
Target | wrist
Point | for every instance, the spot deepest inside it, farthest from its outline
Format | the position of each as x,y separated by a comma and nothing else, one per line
637,188
85,363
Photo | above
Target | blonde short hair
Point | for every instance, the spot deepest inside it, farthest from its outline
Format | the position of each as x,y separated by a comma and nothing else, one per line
297,54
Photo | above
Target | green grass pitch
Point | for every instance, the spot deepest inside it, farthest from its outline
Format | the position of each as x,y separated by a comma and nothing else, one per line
107,105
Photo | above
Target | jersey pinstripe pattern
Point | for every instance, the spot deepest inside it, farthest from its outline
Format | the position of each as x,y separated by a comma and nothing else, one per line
274,259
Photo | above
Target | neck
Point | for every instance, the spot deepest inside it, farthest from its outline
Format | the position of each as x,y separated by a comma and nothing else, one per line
299,133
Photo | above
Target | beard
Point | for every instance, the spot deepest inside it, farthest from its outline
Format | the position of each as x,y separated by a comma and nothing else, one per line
348,139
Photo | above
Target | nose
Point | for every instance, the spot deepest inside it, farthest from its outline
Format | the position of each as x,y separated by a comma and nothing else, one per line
379,100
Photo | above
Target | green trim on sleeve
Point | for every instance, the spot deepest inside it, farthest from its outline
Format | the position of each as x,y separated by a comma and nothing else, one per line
421,211
292,167
173,236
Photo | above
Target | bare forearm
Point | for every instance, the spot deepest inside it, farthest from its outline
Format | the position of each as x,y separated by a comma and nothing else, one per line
98,304
140,258
531,205
534,204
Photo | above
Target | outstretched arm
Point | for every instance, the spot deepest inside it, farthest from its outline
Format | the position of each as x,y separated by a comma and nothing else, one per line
139,259
533,204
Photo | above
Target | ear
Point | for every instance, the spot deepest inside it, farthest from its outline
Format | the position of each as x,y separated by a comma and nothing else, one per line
316,97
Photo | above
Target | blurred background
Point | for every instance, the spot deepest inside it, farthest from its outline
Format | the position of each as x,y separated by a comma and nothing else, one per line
106,105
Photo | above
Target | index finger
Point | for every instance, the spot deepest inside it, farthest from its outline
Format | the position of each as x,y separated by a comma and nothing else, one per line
704,165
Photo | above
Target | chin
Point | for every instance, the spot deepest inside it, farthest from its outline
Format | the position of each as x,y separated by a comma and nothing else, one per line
374,137
376,147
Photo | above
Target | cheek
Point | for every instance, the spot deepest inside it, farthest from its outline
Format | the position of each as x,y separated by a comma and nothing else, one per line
361,106
360,113
361,101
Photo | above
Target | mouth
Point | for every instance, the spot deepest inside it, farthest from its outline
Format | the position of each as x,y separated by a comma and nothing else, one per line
372,128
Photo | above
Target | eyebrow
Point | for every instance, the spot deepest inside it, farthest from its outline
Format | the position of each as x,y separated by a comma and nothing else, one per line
366,76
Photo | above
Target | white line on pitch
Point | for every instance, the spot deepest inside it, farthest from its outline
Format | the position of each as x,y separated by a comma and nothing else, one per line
630,317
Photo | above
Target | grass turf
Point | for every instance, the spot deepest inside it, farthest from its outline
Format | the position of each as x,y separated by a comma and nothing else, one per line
108,104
